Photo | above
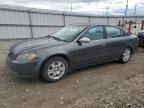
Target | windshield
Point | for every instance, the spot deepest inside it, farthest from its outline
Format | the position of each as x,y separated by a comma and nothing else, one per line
68,33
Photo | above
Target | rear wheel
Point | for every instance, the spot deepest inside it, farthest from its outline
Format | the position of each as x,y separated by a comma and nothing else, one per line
55,69
125,57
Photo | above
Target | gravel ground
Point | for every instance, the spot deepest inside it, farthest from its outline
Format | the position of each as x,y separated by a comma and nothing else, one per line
110,85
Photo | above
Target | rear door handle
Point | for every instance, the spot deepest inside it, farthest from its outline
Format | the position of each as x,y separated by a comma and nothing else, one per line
103,45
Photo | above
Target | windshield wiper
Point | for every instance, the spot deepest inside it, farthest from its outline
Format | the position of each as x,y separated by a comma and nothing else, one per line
54,37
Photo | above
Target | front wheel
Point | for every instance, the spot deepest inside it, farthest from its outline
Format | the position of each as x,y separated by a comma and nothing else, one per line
55,69
125,57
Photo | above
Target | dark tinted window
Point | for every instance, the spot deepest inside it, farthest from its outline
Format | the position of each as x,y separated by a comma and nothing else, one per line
95,33
113,32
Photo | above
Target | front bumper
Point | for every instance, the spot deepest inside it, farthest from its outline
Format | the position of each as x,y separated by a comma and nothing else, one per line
23,69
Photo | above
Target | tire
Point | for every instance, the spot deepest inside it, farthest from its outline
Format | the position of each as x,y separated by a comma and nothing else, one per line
141,43
54,69
125,56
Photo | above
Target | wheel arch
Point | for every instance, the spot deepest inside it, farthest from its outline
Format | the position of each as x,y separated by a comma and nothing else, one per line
55,55
131,48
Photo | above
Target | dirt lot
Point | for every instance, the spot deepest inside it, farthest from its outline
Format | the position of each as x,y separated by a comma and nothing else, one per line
110,85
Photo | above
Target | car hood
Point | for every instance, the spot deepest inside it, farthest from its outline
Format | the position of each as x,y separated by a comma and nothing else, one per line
35,45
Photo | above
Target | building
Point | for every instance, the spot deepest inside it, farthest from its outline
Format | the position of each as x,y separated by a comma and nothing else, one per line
20,22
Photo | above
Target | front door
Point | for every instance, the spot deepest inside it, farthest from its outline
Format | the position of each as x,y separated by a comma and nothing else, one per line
92,52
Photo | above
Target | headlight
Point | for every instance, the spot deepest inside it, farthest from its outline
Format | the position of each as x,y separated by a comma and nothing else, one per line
28,57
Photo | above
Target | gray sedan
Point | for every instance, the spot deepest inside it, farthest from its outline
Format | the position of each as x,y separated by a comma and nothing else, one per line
72,47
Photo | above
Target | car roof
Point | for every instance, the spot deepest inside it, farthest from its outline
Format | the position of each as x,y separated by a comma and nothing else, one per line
89,25
85,24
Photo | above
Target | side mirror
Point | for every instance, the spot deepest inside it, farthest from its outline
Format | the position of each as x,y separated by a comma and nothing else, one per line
84,40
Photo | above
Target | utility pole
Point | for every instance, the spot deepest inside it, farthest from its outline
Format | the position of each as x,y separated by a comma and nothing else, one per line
107,14
125,13
107,11
126,7
135,16
71,7
135,9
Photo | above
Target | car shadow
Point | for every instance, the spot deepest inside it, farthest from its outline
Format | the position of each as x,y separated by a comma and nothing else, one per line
86,69
74,72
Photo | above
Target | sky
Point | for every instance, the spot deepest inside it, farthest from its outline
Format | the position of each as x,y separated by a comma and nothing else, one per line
97,7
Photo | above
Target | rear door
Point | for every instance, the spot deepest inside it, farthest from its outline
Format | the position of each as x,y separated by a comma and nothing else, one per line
115,42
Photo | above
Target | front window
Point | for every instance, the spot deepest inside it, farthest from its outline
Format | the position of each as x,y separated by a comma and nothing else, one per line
95,33
69,33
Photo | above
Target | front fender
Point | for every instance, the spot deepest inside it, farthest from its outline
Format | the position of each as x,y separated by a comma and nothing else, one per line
46,54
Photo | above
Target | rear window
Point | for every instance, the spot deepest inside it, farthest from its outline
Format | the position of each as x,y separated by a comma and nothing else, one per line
113,32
